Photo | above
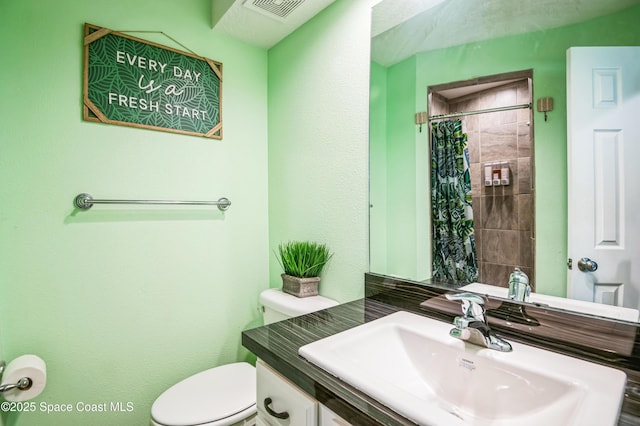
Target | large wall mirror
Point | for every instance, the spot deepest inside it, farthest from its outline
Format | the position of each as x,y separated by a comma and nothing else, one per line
444,56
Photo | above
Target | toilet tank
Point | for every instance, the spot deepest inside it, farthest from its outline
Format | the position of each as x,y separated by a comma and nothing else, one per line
277,306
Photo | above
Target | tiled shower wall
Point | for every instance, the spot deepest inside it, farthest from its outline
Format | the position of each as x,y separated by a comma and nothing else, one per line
503,215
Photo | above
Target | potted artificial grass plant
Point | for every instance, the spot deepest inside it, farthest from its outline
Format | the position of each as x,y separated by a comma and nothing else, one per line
302,262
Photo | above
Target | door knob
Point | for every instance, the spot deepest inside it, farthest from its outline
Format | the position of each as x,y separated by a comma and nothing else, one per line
587,265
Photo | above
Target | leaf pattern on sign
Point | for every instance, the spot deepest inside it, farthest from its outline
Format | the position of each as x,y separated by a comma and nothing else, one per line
135,82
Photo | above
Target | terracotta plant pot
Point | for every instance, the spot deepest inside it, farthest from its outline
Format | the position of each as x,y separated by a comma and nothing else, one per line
300,287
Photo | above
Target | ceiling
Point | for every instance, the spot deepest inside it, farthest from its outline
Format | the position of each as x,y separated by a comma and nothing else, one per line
263,23
455,22
402,28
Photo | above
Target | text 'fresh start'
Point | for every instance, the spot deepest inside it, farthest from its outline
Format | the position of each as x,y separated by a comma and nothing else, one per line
149,105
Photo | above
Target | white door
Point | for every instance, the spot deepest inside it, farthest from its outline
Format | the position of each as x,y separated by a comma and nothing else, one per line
603,123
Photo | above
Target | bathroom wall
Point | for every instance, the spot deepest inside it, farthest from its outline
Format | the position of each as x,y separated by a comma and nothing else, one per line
122,301
400,234
545,53
319,143
378,168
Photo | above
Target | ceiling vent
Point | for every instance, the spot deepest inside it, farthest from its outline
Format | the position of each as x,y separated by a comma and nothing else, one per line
276,9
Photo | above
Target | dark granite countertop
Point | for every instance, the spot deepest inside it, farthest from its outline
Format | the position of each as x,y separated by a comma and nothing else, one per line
277,344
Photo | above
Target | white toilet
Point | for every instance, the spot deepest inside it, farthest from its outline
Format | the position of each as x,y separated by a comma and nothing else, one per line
226,395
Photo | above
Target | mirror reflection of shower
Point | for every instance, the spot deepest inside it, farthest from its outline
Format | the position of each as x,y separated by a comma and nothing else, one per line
500,153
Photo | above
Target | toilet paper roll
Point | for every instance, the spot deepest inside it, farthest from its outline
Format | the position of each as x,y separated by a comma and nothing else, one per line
30,366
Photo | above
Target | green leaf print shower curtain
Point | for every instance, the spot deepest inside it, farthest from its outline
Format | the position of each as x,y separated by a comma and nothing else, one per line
454,252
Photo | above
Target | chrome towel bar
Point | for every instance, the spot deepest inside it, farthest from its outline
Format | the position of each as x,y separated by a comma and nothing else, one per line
86,201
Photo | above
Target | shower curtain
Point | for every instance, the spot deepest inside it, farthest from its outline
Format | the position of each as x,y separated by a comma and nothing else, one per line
454,252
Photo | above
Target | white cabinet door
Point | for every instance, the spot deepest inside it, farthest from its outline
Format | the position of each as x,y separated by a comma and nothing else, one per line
329,418
280,402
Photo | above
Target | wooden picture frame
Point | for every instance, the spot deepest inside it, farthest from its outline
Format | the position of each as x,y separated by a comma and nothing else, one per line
133,82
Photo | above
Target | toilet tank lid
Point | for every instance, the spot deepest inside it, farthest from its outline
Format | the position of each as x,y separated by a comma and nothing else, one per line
207,396
294,306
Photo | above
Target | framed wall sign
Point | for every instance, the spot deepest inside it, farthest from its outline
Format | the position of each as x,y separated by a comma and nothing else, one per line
134,82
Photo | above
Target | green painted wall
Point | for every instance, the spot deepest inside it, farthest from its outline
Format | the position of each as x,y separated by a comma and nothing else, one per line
545,53
318,142
378,169
122,302
402,175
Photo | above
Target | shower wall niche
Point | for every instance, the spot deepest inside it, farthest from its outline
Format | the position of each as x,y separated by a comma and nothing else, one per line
503,215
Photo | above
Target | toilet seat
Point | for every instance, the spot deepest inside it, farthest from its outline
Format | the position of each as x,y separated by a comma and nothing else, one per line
219,396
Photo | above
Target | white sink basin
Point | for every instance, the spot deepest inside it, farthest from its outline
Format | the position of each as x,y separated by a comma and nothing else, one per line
410,364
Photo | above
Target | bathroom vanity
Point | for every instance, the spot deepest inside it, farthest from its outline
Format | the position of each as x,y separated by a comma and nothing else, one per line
610,343
281,402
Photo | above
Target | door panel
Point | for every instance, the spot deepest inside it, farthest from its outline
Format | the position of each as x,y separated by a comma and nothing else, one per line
603,150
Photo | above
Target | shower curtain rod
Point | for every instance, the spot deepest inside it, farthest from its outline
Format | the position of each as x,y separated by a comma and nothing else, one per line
481,111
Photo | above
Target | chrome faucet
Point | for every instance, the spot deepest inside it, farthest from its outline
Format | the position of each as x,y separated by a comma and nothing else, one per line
472,326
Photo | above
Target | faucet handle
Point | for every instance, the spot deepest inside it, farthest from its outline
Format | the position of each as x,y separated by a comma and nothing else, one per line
472,326
472,305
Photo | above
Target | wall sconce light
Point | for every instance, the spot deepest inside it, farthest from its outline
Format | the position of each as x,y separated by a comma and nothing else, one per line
545,105
421,118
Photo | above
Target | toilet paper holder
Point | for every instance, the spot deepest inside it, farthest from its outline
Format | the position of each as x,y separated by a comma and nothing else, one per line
23,384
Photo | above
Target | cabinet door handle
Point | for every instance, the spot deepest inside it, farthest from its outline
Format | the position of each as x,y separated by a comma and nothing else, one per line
283,416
